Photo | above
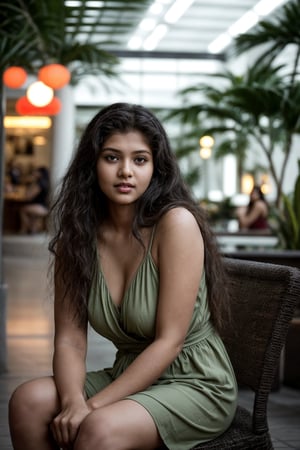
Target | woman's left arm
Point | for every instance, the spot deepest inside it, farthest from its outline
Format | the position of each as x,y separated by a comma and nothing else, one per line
180,256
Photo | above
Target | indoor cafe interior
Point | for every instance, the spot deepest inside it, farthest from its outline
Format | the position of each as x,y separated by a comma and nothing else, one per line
187,62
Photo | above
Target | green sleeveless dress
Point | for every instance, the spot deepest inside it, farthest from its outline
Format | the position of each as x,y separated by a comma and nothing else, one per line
194,400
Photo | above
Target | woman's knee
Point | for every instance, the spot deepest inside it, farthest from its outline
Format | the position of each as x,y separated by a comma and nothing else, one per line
96,431
33,399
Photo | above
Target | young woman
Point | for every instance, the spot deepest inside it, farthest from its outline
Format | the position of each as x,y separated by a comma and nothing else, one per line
255,215
134,256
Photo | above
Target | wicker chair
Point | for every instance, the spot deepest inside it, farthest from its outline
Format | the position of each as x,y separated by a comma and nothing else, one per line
263,298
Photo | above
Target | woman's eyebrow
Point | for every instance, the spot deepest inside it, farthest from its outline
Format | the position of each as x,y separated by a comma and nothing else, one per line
112,149
143,151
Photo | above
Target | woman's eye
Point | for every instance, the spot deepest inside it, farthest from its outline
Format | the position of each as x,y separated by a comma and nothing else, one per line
111,158
140,160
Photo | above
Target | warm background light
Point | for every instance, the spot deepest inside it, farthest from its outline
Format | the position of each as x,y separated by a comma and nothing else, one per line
206,141
27,122
39,140
54,75
24,107
39,94
247,183
265,184
206,144
205,152
14,77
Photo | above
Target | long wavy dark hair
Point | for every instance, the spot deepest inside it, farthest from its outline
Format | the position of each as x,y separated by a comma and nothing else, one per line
81,206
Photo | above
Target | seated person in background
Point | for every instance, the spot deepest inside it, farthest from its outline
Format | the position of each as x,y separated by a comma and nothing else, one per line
36,207
14,173
255,215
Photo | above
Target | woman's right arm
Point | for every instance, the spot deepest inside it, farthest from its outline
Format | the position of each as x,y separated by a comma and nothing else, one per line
70,347
257,210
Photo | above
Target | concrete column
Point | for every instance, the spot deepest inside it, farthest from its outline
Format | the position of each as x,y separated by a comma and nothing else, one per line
63,137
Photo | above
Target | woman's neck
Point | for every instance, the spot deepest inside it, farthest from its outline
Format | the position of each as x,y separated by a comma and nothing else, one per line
120,219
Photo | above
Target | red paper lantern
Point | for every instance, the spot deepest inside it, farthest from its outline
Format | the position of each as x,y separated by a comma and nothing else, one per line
25,108
14,77
54,75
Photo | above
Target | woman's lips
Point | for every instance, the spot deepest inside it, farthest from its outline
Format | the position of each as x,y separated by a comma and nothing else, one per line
124,187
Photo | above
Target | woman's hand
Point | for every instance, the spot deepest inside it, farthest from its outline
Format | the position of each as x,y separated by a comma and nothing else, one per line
66,424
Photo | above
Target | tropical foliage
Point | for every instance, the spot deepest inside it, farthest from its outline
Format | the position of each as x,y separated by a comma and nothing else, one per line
37,32
258,109
288,220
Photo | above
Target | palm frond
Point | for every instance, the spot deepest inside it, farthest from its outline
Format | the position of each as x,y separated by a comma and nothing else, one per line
277,32
37,32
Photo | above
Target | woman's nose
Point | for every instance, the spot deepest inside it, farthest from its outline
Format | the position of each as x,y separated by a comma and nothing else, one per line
125,170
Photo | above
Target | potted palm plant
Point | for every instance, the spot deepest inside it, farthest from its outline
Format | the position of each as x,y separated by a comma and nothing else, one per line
259,107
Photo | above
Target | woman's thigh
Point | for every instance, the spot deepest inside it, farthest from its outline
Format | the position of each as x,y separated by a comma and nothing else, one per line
123,425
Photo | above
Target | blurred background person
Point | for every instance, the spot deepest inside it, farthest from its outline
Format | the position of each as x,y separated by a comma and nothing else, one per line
255,215
14,173
34,211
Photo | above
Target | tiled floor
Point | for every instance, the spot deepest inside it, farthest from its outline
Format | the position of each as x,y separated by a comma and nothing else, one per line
30,334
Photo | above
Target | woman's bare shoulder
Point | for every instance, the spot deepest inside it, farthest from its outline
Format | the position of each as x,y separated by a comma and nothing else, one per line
178,216
177,226
177,233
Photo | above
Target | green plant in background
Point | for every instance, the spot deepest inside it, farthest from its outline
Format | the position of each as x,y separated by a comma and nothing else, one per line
258,110
38,32
219,213
242,110
287,221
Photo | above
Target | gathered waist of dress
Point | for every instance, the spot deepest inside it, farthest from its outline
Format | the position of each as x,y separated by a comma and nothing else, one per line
192,338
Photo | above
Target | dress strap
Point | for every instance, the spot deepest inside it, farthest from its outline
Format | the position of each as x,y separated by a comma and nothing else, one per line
151,239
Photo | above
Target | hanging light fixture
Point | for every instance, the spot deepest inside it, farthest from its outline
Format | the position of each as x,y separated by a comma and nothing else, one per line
24,107
39,94
206,143
14,77
55,76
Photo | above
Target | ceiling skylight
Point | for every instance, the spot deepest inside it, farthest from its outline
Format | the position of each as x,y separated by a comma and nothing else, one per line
178,8
153,27
243,24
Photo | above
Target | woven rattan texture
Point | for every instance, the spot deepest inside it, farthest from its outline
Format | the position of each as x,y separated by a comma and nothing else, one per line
263,298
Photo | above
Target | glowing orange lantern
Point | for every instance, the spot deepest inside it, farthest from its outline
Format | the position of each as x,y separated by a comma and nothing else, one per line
14,77
54,75
25,108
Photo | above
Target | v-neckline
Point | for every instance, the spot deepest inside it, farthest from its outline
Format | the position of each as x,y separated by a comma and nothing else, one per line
130,284
118,307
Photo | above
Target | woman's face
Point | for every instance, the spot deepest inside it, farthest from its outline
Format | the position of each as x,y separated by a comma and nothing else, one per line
255,195
125,167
